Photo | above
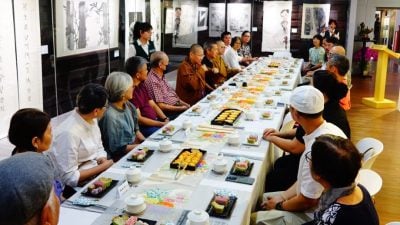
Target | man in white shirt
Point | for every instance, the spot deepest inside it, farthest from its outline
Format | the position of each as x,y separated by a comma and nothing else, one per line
77,147
295,205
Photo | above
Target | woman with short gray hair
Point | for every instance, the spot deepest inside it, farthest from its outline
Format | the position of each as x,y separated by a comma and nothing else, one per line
119,125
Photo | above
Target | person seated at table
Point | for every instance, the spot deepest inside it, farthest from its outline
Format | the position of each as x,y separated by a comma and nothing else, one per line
316,55
330,47
245,50
294,205
30,131
27,195
150,116
119,125
284,172
142,44
213,76
191,85
231,56
159,90
226,37
219,62
77,147
339,66
334,163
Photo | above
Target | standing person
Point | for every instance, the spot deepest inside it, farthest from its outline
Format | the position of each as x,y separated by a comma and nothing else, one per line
119,125
191,85
316,55
77,146
150,116
142,44
296,204
231,56
377,29
331,31
334,163
27,195
159,90
213,77
245,50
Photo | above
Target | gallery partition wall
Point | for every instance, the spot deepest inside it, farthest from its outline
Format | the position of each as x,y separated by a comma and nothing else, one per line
75,42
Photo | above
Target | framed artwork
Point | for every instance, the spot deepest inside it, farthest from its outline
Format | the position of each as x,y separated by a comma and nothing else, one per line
155,21
239,18
8,68
169,20
202,16
276,26
86,25
217,19
315,18
185,24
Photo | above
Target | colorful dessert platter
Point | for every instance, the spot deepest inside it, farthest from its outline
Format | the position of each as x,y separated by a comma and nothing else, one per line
188,159
252,139
99,187
266,115
140,155
241,167
269,101
219,203
226,117
128,220
168,130
274,64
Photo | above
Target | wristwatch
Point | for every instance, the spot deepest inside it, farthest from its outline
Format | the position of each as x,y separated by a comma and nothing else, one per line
165,119
279,206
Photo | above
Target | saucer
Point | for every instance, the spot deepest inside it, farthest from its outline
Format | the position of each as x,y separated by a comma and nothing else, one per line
140,211
220,173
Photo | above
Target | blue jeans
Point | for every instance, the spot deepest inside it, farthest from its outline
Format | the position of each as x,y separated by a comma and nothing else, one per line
147,131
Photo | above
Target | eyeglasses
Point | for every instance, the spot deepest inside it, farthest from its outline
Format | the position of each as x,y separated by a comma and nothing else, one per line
308,156
238,43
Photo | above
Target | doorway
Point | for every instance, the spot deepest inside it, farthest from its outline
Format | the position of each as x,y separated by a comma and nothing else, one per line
387,28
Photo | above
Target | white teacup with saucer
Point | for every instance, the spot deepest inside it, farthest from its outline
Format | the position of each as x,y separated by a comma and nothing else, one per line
198,217
165,145
220,164
135,204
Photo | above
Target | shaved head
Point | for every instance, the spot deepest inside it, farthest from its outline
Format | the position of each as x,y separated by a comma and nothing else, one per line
338,50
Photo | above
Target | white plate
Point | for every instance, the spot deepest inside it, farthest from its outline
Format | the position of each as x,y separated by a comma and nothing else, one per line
257,143
269,118
177,128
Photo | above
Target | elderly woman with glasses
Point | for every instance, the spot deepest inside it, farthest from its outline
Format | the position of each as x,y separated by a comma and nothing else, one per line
334,163
119,125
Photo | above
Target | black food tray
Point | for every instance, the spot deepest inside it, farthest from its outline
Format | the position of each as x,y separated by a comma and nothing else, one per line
191,168
101,194
244,173
148,154
227,210
224,122
150,222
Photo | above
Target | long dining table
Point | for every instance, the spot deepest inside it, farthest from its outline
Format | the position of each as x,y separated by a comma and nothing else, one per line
260,92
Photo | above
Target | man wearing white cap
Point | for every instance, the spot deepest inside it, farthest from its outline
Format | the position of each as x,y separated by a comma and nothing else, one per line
296,204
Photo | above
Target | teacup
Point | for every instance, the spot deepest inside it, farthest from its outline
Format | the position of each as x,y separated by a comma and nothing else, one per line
198,217
165,145
250,115
135,204
220,164
133,175
186,124
233,139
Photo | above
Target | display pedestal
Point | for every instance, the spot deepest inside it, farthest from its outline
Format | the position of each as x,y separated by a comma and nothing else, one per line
379,101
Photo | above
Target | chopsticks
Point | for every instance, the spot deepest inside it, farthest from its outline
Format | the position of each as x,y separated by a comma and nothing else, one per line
179,170
215,128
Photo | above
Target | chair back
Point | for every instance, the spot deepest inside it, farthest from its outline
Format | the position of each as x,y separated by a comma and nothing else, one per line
370,148
371,180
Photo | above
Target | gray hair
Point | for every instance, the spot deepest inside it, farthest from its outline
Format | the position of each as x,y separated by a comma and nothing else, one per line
117,84
340,62
156,58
